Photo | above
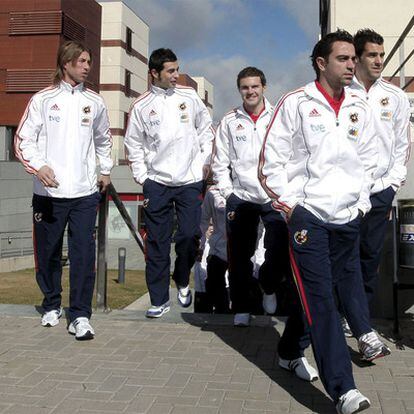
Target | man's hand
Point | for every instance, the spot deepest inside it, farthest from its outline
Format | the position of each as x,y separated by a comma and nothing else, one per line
289,214
206,171
103,182
47,177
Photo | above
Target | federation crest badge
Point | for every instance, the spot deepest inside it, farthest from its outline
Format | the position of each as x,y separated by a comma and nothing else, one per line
86,109
183,106
385,101
354,117
301,237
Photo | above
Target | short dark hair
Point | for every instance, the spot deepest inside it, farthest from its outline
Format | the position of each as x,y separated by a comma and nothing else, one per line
159,57
251,71
364,36
324,47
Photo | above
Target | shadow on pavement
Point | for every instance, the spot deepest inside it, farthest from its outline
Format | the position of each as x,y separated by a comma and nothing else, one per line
258,344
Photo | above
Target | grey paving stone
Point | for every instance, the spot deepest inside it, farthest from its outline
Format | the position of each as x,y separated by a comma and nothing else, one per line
43,388
140,404
194,389
138,366
179,409
392,406
160,408
24,409
126,393
179,400
113,383
3,407
231,407
211,398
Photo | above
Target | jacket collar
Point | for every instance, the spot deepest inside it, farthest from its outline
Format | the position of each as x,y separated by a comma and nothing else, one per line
312,91
68,87
268,109
358,86
161,91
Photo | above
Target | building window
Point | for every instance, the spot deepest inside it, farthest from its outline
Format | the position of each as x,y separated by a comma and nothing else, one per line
9,147
206,97
126,114
128,47
127,83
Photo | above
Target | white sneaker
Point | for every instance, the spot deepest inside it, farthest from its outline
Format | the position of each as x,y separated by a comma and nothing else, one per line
346,328
51,318
157,311
184,296
301,368
352,402
81,328
242,319
371,347
269,303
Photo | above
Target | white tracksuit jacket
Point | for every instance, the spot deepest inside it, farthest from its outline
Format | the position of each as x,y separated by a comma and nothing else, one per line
391,112
214,208
237,149
169,137
322,162
65,128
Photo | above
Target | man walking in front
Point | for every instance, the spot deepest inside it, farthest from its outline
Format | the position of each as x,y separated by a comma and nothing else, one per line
62,132
238,143
239,140
317,163
169,143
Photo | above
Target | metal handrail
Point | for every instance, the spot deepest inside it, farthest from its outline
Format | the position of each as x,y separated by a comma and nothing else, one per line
102,238
399,41
402,65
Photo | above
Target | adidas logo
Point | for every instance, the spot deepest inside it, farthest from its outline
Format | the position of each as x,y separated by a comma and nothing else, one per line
152,113
314,113
55,108
239,127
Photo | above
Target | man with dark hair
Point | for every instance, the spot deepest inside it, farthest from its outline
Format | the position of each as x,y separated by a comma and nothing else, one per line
238,142
65,127
159,57
391,113
169,143
316,165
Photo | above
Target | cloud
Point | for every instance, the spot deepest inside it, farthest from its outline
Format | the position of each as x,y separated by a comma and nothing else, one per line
185,24
217,38
222,73
306,13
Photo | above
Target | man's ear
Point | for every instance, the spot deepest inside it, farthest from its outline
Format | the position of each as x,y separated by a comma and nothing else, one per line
154,74
321,63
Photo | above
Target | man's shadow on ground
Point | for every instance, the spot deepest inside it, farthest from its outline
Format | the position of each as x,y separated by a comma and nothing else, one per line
258,344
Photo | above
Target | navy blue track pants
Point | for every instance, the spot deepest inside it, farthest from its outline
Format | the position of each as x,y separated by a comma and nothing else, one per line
50,217
242,222
319,254
363,264
160,203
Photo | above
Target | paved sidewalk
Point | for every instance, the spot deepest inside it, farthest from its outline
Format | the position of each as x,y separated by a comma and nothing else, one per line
184,363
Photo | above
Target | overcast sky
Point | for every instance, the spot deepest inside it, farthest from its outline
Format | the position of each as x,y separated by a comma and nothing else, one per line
218,38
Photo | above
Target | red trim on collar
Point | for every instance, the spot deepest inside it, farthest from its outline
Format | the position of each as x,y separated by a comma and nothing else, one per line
334,104
253,116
